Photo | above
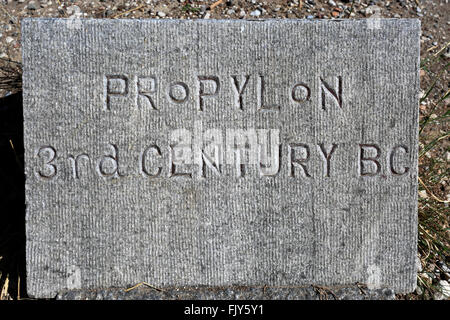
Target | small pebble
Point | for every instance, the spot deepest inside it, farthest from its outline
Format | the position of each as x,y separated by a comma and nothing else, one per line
108,13
73,9
161,14
447,53
423,194
426,277
31,5
418,265
419,291
255,13
443,266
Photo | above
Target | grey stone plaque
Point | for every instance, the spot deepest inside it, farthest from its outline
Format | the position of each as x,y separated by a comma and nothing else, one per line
190,153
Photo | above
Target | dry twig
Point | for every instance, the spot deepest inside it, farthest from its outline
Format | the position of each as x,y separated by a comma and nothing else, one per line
215,4
125,12
431,193
143,283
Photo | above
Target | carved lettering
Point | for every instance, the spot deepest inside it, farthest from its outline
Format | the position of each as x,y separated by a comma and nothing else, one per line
260,96
239,89
242,149
114,86
240,166
49,170
145,87
178,92
155,150
336,94
214,165
174,164
108,166
245,151
269,152
363,158
296,162
300,92
391,161
202,92
74,160
326,156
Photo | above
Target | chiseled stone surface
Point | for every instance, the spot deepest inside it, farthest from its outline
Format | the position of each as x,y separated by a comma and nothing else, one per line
218,153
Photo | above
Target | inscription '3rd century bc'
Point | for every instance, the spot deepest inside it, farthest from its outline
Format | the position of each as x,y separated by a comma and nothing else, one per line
179,161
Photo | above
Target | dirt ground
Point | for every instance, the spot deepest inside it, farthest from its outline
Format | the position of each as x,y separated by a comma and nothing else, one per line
434,15
434,169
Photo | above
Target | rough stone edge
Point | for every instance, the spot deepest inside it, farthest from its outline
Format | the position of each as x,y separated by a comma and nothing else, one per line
146,292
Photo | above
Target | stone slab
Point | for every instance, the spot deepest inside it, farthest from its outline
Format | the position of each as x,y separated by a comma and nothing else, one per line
218,153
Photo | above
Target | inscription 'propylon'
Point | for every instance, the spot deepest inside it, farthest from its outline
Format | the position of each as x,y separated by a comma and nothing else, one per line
220,153
145,87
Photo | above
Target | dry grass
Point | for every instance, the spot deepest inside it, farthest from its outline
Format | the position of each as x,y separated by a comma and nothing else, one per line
12,224
434,232
10,76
